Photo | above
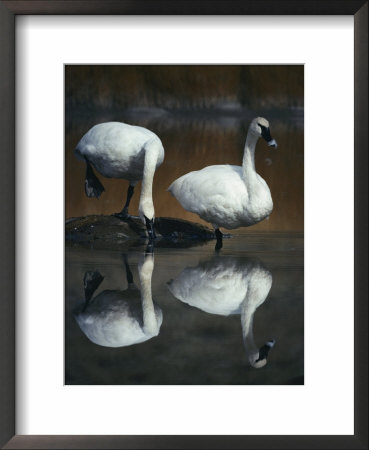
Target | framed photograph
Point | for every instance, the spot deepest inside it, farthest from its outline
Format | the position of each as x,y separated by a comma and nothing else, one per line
203,284
206,289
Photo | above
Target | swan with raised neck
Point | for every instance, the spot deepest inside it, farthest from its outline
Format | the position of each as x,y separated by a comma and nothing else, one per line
229,196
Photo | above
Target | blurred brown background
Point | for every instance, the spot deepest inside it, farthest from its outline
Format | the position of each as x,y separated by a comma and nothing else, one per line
201,114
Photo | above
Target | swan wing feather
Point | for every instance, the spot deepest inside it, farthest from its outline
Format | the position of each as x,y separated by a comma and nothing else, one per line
216,193
117,149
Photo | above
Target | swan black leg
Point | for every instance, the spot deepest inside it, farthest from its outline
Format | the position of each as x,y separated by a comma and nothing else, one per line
91,281
149,250
124,213
219,236
93,187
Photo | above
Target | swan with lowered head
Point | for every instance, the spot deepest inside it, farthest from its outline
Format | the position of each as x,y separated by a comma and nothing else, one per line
226,195
118,150
120,318
225,286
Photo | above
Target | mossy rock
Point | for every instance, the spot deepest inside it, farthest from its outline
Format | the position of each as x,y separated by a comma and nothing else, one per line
112,232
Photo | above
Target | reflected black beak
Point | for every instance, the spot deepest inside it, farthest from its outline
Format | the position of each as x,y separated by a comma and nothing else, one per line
264,350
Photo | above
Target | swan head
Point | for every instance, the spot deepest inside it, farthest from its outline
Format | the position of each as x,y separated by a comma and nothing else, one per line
258,359
260,127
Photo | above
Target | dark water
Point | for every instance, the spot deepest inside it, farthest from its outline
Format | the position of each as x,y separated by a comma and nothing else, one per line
192,346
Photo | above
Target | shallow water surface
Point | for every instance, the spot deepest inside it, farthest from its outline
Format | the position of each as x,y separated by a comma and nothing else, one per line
191,315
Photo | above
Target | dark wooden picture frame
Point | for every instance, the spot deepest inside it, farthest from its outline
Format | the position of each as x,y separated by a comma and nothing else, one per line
8,11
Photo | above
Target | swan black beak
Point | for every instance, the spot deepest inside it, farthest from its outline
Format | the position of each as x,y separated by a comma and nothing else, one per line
265,134
273,143
150,228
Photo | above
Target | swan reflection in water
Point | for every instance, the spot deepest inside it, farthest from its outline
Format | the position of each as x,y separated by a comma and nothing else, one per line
224,286
120,318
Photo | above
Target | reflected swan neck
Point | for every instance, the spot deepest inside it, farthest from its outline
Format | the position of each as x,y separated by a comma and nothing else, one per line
247,316
148,309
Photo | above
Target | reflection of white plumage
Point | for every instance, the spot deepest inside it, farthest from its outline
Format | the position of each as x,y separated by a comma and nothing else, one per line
120,318
226,195
224,286
118,150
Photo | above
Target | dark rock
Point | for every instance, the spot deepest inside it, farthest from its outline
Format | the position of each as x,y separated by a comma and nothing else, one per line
182,229
112,232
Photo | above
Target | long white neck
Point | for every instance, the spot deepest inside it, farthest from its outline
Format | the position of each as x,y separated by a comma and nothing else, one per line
247,316
150,324
146,206
248,162
260,282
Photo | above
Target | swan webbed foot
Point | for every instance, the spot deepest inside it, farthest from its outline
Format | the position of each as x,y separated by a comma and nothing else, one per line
123,215
93,187
150,229
219,237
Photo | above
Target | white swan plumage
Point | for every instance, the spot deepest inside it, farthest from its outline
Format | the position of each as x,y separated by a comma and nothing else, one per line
119,150
225,286
229,196
117,318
